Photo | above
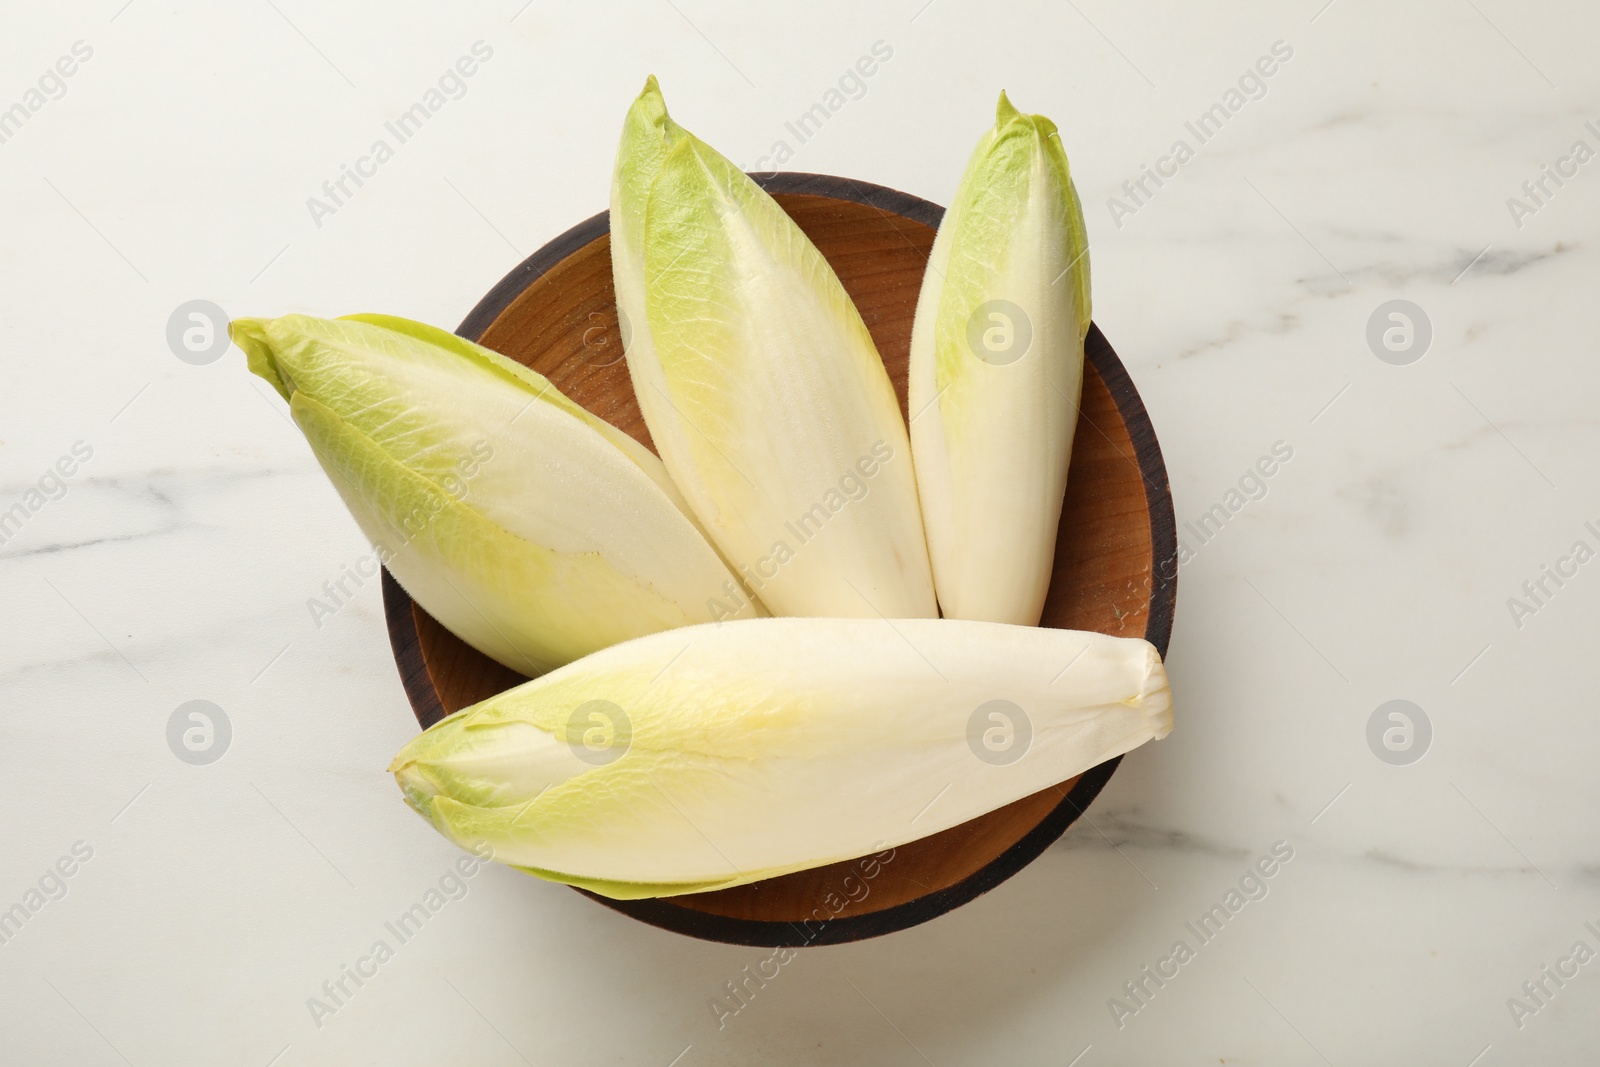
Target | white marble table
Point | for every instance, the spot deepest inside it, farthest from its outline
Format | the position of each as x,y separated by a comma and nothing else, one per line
1384,560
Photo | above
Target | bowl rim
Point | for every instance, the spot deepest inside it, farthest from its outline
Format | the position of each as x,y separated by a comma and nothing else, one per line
664,912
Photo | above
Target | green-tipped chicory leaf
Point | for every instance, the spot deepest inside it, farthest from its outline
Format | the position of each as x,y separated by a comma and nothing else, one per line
997,371
530,528
761,386
718,755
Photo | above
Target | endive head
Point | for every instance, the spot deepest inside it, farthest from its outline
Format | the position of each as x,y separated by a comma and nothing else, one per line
571,539
757,377
760,747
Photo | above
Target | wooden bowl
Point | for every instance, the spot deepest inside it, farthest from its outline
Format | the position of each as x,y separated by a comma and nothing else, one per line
1115,568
